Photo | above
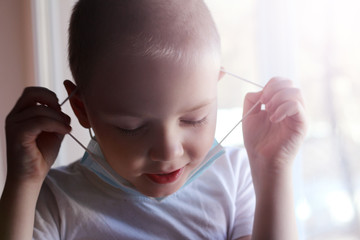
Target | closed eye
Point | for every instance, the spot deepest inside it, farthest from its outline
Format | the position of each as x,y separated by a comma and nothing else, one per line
197,123
131,132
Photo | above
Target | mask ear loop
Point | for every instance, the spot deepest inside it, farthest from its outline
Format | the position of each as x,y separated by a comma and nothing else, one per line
250,110
242,79
72,136
213,152
94,156
217,149
92,136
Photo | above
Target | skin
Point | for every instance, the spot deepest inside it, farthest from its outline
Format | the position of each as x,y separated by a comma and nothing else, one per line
272,139
156,120
33,134
166,102
159,98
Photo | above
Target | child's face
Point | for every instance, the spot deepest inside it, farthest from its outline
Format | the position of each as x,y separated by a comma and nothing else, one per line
154,121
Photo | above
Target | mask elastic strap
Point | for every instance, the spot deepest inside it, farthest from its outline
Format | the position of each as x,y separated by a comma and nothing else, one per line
217,149
213,152
241,78
250,110
92,136
94,156
222,70
70,96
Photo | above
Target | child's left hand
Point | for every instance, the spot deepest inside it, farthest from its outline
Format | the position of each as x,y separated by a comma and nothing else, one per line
273,136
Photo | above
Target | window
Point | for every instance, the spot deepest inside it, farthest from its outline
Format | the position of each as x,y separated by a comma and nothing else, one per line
315,43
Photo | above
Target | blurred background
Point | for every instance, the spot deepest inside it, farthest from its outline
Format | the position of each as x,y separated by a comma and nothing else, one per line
316,43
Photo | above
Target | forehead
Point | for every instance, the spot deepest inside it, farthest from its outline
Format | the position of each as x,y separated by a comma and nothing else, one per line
144,84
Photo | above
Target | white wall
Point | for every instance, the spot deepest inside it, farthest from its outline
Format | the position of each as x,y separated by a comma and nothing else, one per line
16,66
51,20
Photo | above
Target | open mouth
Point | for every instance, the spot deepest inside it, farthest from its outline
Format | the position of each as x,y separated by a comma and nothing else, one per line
164,178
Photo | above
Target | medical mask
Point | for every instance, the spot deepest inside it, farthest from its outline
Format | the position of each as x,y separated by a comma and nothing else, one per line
94,159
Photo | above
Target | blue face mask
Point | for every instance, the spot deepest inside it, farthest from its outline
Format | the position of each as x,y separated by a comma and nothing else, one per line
95,161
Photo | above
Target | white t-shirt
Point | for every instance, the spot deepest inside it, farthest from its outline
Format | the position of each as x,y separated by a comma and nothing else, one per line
75,203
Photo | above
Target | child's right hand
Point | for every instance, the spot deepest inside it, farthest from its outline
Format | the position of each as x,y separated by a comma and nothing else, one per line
35,129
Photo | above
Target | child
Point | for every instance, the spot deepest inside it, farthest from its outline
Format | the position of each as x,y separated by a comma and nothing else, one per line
146,74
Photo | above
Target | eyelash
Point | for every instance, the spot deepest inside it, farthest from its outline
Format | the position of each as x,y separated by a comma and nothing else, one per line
133,132
195,124
130,132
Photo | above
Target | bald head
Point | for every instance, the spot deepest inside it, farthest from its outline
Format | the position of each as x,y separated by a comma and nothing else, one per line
177,30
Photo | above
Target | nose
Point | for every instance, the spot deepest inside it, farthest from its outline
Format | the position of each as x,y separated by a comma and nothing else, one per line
166,146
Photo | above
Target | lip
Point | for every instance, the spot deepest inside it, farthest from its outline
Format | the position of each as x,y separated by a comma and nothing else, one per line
164,178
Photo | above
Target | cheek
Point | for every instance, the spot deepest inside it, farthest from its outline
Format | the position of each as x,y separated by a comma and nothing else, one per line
112,142
120,152
199,141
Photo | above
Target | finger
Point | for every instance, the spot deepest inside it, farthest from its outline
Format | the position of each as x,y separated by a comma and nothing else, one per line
282,96
250,100
32,128
34,95
273,86
49,139
39,111
288,109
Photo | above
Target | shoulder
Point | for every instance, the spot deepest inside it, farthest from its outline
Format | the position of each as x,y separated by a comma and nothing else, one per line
242,190
65,188
228,174
70,169
234,161
65,175
68,182
61,178
236,155
52,201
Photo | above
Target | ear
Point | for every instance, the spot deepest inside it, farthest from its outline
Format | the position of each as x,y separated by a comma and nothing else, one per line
221,73
77,103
